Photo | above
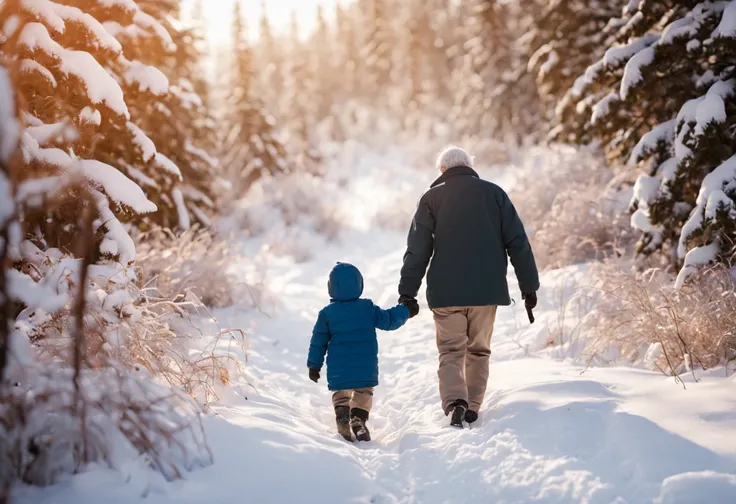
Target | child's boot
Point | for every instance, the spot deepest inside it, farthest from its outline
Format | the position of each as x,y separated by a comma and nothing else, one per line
358,418
342,417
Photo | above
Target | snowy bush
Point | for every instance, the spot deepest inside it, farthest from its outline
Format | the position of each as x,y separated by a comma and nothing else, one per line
290,214
195,262
60,410
96,367
571,206
55,422
92,375
648,322
664,95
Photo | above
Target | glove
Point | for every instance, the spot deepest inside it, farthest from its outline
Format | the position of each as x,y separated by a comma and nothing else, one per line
530,300
314,375
411,304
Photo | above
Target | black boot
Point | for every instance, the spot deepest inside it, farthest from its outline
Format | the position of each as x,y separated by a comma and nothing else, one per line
342,417
358,418
458,409
471,416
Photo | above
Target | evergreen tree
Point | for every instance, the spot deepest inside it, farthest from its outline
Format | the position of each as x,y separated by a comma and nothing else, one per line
299,106
270,62
664,95
378,45
322,69
420,44
485,63
197,46
347,51
79,89
439,37
517,98
180,123
564,39
251,149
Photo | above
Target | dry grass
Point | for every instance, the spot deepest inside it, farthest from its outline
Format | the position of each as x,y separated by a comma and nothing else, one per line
581,225
113,376
51,428
173,266
169,343
647,321
396,216
573,209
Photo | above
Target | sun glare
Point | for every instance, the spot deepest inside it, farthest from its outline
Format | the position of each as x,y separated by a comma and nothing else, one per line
219,13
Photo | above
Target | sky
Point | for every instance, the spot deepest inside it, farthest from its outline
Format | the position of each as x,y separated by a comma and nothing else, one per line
219,15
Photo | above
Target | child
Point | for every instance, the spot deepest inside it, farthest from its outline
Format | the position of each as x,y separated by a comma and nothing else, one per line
346,332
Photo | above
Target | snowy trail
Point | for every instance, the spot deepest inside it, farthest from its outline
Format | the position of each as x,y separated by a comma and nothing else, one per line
548,433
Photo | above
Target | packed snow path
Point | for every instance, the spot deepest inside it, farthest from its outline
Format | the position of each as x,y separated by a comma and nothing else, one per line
548,432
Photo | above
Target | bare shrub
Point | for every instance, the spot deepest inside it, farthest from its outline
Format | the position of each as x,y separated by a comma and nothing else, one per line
195,261
294,246
648,321
50,427
99,369
582,225
81,388
303,202
168,342
397,216
287,212
572,207
488,151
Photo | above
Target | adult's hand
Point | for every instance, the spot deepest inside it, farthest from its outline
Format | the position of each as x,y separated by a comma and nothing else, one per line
411,304
530,300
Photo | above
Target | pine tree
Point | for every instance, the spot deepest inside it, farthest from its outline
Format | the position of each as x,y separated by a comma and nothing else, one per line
179,123
440,37
77,83
270,60
348,53
251,149
486,60
299,107
517,94
197,47
420,42
321,63
378,45
564,39
664,96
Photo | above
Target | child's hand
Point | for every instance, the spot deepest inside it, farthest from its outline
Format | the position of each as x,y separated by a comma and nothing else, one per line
314,375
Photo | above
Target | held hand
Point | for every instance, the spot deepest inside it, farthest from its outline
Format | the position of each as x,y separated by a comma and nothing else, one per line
314,375
411,304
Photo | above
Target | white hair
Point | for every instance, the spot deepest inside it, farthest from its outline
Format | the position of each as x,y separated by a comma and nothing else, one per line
452,157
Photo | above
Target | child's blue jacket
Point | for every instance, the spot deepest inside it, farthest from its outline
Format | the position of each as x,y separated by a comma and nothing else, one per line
346,332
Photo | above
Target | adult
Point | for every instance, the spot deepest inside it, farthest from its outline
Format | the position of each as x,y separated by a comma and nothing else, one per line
466,226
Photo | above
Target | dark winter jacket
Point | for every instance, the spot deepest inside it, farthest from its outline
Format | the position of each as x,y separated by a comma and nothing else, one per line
466,226
346,331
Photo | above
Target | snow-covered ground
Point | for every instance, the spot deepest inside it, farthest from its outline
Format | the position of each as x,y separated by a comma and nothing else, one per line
550,431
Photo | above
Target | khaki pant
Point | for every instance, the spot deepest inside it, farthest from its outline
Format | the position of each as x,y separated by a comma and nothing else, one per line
359,398
464,344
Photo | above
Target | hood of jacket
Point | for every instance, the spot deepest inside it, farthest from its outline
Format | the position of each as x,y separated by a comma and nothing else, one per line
346,283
